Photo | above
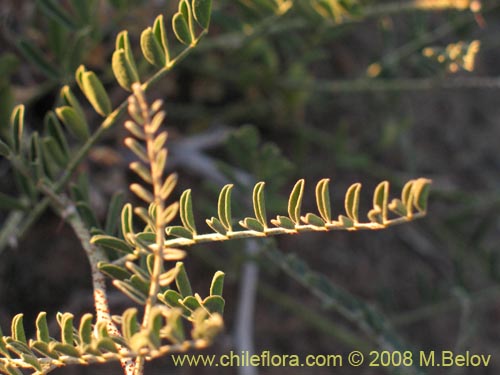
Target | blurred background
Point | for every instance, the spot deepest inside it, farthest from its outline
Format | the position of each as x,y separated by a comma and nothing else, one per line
352,90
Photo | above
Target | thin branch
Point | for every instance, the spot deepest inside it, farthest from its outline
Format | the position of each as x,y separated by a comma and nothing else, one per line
67,211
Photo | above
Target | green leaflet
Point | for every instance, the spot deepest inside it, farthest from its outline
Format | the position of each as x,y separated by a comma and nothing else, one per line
178,231
214,304
18,347
112,243
323,200
407,197
252,224
123,70
217,284
295,201
85,329
171,298
53,128
202,10
67,329
78,76
216,225
186,212
45,161
17,127
69,99
175,328
181,29
182,281
101,329
51,147
65,349
161,36
95,92
114,271
224,207
106,344
421,195
259,204
352,202
123,42
42,329
17,329
43,348
381,198
397,207
152,49
127,227
185,9
314,220
130,325
284,222
156,320
74,122
191,303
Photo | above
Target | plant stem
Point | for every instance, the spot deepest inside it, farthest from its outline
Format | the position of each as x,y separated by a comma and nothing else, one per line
67,211
157,177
